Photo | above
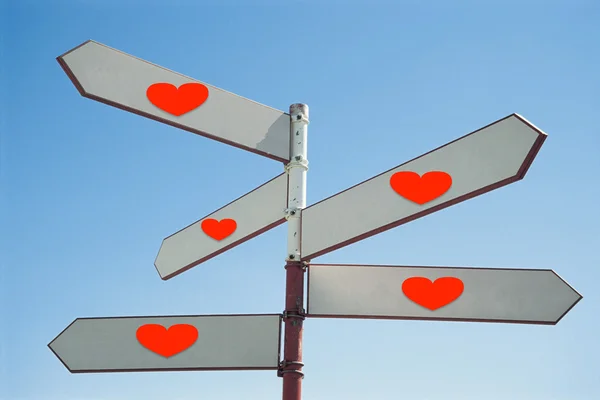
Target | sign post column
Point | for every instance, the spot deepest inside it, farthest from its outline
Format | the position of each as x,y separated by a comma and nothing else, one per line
293,316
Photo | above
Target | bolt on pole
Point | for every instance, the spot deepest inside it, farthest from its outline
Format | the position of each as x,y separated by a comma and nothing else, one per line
293,316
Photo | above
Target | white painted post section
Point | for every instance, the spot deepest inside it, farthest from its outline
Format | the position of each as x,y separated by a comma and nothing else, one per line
296,169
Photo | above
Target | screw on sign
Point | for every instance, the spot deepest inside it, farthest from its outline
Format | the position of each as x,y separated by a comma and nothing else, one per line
498,154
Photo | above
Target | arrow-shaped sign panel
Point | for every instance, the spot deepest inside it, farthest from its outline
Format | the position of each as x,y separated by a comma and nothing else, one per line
118,79
177,343
252,214
484,160
526,296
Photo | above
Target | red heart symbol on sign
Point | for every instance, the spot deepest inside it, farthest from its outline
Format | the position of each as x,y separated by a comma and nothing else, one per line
218,230
421,189
433,295
167,342
176,101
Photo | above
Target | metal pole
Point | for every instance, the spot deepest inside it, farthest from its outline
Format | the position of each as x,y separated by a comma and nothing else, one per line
293,316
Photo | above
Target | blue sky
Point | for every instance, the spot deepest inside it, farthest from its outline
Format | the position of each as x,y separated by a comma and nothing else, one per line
89,191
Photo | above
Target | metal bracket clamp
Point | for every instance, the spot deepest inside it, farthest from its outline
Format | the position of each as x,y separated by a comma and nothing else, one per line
296,162
302,264
282,371
298,314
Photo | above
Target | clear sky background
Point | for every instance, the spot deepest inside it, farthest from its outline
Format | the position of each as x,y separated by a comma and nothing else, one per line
89,191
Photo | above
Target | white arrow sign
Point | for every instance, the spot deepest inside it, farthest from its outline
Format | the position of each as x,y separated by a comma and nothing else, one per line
178,343
526,296
484,160
123,81
241,220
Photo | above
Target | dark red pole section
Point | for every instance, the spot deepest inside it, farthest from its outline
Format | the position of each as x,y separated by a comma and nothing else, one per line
293,318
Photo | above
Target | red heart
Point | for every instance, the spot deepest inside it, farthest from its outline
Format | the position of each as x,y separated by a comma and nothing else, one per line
176,101
167,342
421,189
219,230
433,295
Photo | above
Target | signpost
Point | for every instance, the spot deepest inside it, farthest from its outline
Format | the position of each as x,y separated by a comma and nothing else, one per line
486,159
120,80
254,213
219,342
479,162
532,296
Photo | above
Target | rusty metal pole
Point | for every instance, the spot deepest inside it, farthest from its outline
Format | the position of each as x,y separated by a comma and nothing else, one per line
293,316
